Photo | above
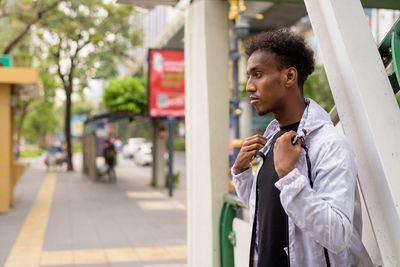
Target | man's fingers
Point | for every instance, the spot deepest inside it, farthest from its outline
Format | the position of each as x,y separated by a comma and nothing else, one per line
253,147
286,137
256,139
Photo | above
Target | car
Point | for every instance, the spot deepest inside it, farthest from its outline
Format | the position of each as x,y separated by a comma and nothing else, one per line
132,145
55,156
143,155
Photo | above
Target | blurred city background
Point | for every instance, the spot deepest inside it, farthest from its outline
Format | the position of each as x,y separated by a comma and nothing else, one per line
164,82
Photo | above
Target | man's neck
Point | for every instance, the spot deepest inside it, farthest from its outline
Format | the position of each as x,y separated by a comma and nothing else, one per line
291,113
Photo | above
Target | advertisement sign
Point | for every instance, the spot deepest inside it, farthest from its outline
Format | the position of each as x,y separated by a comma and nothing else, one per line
77,125
166,83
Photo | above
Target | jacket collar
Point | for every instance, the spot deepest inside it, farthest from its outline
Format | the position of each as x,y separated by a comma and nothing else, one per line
314,117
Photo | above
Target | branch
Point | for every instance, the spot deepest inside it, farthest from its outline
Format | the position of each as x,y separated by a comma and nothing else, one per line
57,56
79,48
39,16
73,57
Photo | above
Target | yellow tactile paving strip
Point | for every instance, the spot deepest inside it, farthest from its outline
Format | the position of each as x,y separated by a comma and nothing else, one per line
28,245
27,249
93,256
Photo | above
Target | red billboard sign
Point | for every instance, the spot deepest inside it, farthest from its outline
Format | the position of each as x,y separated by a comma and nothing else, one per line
166,83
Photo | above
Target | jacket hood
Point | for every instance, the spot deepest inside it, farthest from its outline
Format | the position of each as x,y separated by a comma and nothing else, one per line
314,117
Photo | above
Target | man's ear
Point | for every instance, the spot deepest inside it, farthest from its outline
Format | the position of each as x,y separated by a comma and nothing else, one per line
291,77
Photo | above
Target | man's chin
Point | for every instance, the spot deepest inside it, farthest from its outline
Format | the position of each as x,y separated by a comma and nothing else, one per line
262,113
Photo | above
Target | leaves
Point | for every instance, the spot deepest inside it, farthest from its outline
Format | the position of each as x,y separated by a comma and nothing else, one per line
317,88
125,94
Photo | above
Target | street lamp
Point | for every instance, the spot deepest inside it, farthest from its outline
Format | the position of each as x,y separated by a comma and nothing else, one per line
242,28
240,32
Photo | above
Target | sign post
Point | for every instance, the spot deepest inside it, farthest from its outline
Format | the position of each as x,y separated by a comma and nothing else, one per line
171,122
166,94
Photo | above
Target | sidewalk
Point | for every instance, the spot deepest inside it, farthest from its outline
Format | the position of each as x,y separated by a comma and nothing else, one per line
63,219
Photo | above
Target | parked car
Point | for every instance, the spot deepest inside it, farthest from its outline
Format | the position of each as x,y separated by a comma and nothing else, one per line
55,156
143,155
131,146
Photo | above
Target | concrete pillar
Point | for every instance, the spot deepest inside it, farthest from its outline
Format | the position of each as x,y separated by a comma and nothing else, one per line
5,147
206,89
367,109
245,119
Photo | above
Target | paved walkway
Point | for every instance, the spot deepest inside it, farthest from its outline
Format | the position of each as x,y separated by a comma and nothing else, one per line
63,219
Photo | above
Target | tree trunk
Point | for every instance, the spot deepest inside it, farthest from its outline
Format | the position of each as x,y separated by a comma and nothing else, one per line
68,92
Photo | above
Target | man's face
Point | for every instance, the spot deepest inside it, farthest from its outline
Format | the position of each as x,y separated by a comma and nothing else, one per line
266,82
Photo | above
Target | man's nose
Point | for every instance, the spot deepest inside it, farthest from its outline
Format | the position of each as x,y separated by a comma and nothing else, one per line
250,86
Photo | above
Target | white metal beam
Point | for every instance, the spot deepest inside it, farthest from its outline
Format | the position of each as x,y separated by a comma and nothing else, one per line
367,109
207,127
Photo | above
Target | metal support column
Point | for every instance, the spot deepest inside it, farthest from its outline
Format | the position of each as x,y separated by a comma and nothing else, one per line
367,109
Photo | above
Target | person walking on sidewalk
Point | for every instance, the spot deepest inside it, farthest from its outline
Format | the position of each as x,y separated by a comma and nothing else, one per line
303,198
109,155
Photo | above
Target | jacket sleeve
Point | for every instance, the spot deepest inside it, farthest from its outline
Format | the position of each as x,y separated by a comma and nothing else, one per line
243,183
324,212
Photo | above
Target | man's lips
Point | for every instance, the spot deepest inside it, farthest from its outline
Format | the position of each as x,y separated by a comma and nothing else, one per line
253,99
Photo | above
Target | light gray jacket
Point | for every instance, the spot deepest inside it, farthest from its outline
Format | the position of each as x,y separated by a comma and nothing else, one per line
327,215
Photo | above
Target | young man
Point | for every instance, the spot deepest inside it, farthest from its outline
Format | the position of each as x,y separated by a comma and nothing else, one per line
303,198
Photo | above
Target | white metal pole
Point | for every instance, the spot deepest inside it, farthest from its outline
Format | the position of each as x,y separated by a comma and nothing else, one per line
367,109
207,126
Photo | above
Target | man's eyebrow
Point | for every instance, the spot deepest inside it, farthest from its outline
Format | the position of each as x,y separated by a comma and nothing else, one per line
253,69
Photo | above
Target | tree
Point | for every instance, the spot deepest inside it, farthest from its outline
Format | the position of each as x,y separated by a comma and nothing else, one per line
85,40
125,94
16,21
317,88
32,105
18,17
42,120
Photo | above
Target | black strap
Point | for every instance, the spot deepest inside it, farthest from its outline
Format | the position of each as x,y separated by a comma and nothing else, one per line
303,145
253,233
328,263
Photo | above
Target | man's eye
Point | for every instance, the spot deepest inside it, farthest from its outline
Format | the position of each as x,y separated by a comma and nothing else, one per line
257,74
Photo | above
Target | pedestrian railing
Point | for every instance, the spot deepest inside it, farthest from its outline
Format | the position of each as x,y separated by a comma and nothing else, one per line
233,210
389,49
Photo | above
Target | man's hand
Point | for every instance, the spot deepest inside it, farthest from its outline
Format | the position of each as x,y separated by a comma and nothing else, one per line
249,148
285,154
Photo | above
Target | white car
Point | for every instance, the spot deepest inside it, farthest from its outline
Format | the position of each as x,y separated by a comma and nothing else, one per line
143,155
130,148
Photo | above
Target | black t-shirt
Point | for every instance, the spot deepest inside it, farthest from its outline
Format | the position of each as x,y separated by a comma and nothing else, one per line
271,217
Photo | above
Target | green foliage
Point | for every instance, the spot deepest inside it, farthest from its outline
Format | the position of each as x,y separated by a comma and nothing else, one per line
175,180
41,120
77,148
179,144
31,153
81,107
317,88
398,99
93,38
41,116
125,94
17,18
